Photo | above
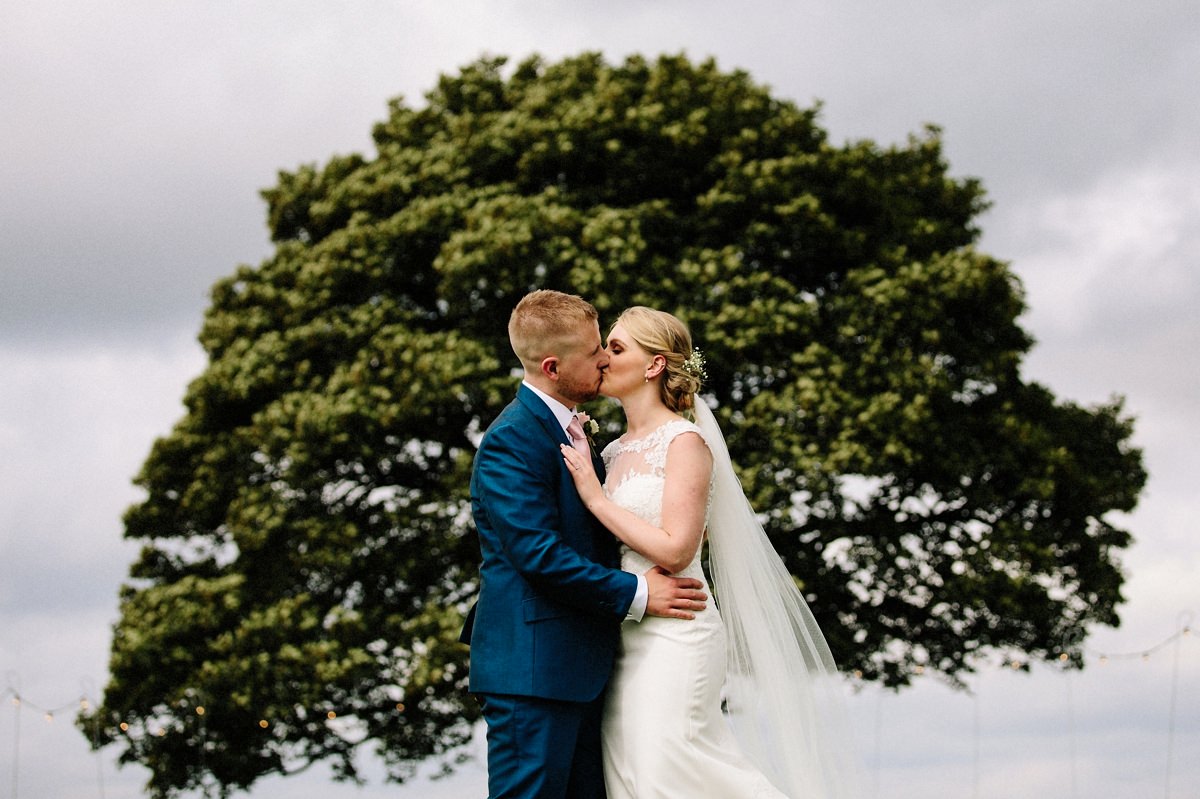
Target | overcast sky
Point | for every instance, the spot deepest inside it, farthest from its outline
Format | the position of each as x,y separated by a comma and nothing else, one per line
136,136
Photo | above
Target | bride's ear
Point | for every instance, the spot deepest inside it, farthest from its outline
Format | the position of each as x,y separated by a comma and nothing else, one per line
657,366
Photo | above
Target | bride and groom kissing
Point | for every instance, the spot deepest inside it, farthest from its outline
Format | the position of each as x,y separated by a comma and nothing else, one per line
601,662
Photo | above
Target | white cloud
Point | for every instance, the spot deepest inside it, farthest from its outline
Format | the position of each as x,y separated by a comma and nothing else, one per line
77,426
1116,261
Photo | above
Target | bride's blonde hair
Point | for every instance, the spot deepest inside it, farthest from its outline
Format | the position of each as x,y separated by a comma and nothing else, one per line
660,333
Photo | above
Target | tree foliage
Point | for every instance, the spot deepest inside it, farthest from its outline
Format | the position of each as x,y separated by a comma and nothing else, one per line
308,545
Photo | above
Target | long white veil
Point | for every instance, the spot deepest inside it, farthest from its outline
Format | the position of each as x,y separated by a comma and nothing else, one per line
783,693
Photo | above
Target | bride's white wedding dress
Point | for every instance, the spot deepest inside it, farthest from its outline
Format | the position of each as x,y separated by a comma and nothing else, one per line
664,732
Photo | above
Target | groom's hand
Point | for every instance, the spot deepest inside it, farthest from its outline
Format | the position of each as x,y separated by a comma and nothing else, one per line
673,597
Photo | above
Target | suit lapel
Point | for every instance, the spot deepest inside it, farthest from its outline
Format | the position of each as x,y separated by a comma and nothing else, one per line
534,404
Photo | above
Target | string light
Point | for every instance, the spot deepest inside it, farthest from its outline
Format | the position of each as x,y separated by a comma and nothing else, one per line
1183,630
1102,658
22,702
85,704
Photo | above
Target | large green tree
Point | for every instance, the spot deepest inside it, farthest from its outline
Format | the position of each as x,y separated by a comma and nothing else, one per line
308,544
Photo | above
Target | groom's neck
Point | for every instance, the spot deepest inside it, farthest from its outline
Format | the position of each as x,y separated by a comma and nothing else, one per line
546,387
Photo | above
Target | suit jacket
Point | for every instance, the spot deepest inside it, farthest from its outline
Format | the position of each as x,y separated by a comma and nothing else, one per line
551,598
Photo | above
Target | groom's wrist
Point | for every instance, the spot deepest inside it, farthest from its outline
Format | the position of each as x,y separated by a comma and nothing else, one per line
641,597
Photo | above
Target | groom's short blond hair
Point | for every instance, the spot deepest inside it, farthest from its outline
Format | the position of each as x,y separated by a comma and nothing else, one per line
546,323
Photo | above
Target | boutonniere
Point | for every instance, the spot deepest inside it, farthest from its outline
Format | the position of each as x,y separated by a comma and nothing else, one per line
590,428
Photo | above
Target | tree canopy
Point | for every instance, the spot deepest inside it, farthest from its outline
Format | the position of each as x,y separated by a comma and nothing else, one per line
308,549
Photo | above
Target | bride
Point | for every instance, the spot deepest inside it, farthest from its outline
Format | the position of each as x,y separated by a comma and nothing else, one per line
670,483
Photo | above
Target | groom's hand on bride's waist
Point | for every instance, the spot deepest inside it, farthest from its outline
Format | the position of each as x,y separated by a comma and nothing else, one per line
673,597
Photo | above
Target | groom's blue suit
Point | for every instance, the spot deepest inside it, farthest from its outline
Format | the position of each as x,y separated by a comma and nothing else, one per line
545,629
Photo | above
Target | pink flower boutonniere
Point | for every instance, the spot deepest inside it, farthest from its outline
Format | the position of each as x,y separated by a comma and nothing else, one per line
590,427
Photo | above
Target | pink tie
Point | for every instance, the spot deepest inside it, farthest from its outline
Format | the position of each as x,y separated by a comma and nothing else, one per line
578,439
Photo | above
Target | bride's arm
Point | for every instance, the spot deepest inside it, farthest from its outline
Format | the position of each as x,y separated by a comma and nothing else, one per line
685,503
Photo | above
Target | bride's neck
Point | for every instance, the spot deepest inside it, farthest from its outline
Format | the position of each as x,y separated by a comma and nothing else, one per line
644,411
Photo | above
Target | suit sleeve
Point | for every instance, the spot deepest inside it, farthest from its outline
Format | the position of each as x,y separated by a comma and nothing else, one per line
520,497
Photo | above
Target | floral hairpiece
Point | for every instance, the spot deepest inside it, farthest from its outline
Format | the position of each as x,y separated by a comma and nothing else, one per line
694,365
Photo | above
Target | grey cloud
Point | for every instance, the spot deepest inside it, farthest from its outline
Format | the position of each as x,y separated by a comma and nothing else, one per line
137,136
139,140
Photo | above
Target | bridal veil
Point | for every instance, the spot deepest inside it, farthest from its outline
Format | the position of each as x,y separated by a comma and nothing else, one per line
784,696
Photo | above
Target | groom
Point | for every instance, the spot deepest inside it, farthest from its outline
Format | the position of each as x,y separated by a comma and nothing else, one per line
545,629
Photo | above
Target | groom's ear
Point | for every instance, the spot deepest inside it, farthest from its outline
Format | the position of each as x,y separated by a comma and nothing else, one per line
550,367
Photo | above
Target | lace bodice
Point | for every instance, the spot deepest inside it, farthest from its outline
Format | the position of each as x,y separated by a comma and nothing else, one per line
637,470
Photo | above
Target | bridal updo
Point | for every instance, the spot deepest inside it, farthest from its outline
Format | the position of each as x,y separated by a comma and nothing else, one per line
660,333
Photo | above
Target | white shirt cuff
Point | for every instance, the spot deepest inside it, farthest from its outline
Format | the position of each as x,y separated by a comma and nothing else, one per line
637,608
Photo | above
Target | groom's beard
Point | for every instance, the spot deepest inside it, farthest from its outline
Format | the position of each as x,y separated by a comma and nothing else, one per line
578,391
